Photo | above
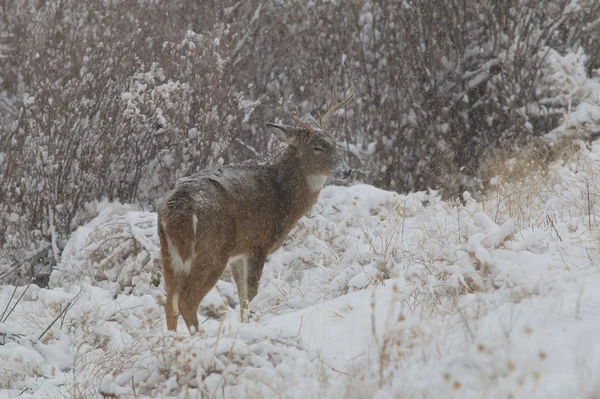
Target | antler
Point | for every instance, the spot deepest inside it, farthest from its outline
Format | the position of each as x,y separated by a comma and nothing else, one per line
335,106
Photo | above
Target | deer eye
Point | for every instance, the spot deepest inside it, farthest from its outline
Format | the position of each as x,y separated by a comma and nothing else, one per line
317,149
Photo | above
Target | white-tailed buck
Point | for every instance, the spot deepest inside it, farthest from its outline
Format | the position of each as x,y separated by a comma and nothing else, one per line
238,215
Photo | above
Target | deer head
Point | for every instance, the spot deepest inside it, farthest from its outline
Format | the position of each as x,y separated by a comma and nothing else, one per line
316,148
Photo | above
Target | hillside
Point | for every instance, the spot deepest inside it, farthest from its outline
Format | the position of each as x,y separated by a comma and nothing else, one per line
374,294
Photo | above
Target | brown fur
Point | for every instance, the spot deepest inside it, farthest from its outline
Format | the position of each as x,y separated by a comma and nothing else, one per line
240,210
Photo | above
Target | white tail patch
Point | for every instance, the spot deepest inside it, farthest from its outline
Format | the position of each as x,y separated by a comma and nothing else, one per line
177,262
315,182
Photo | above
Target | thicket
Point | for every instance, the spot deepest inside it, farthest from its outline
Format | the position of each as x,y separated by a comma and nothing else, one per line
116,99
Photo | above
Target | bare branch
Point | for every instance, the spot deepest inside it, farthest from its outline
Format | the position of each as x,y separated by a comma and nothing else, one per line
18,300
63,312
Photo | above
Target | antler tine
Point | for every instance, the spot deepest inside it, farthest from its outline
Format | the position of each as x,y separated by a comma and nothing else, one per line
335,106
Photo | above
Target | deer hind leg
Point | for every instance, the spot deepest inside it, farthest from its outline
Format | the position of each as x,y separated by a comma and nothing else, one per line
246,273
171,304
172,311
188,307
202,279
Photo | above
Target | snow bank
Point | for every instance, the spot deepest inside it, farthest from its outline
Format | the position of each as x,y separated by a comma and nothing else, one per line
568,87
118,251
373,294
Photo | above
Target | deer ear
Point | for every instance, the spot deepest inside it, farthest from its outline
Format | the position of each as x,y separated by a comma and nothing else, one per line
286,133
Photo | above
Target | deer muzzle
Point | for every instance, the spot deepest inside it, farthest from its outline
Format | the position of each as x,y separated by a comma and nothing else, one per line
343,171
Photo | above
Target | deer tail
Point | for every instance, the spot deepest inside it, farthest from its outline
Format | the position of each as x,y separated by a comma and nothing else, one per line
177,234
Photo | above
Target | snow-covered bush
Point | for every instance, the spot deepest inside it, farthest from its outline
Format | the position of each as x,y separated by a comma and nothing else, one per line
234,361
118,251
84,116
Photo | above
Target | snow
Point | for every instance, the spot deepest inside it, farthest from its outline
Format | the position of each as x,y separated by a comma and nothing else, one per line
570,85
373,294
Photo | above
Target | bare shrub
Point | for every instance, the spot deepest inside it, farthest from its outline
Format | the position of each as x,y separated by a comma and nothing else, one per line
118,99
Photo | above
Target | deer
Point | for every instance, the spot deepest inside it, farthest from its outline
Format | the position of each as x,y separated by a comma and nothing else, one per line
238,215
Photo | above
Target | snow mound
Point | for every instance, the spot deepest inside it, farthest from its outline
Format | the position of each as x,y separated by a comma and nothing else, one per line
226,361
566,86
353,238
117,251
118,346
373,294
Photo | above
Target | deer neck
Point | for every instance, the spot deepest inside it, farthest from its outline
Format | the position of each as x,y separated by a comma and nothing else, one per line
302,185
315,183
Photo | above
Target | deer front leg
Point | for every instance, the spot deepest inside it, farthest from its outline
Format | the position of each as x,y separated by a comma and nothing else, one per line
246,273
254,275
239,270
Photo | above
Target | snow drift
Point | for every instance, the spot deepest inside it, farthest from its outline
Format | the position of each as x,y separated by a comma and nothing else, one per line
373,294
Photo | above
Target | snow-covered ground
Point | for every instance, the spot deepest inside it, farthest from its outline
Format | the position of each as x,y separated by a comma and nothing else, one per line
373,295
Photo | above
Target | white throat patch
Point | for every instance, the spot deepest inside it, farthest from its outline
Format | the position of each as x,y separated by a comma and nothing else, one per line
315,182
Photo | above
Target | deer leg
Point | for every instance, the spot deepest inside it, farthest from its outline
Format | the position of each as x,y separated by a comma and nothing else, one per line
239,270
188,306
202,279
246,273
254,275
171,310
171,313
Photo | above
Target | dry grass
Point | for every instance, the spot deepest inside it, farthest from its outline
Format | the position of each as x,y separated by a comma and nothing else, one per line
390,228
95,354
514,179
